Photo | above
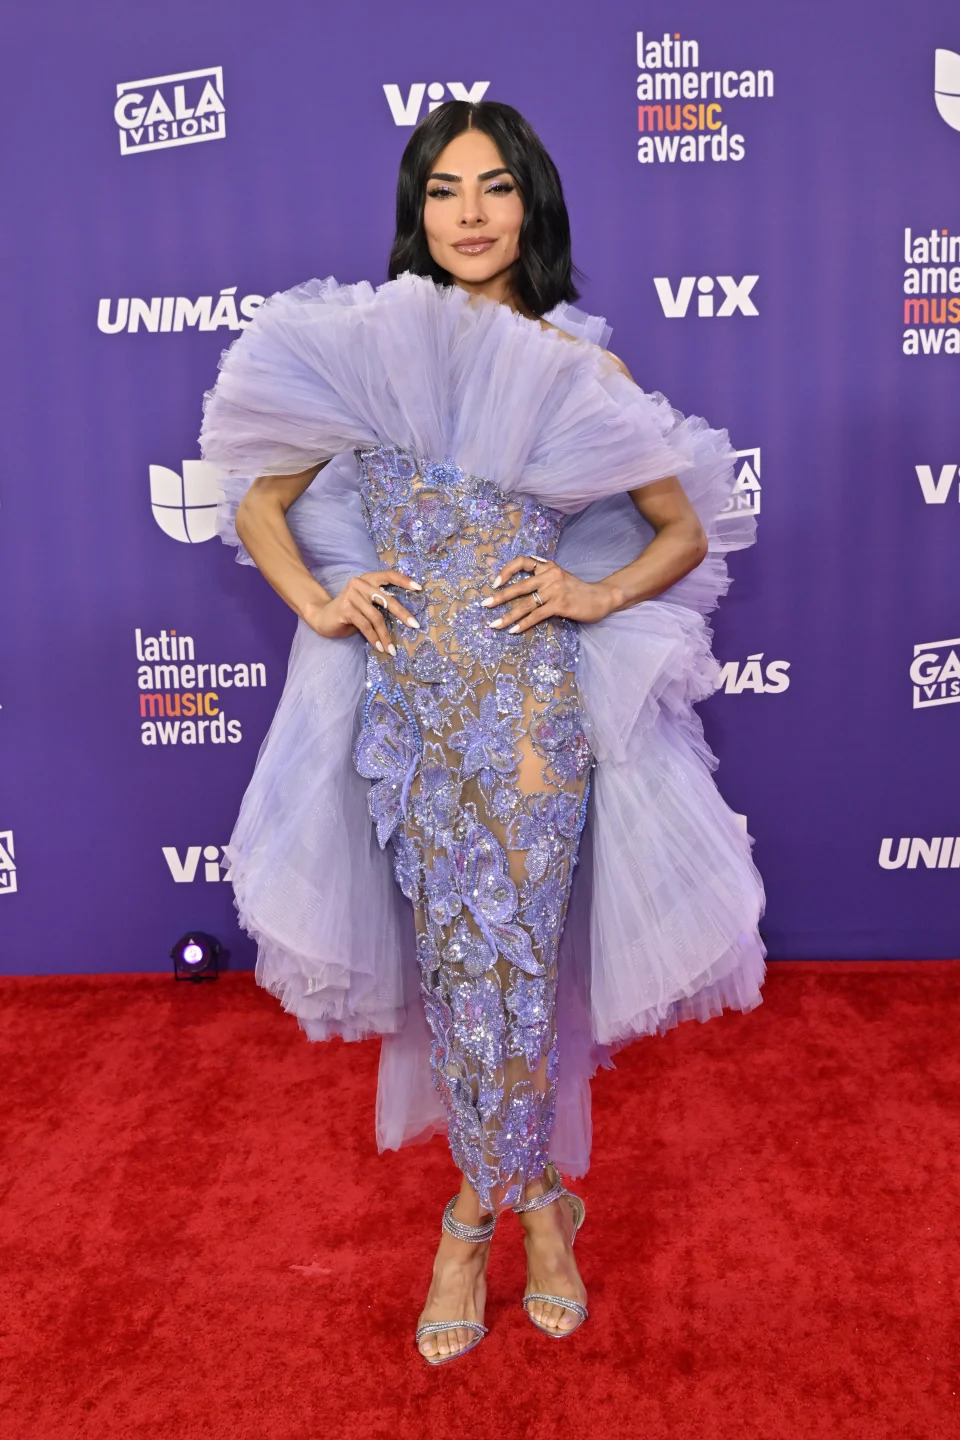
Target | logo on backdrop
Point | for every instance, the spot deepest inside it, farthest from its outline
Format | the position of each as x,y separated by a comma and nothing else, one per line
745,495
946,86
180,699
185,506
935,672
937,488
407,111
171,110
753,675
942,852
8,865
733,296
163,314
681,110
187,868
931,288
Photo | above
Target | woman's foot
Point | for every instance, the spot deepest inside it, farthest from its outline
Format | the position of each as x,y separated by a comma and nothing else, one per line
458,1291
551,1268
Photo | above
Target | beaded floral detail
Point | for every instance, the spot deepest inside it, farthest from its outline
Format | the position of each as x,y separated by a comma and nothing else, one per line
473,741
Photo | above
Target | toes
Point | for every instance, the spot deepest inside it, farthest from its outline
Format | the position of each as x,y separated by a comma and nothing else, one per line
428,1347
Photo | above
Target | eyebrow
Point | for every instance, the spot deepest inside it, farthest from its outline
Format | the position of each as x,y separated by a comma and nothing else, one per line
487,174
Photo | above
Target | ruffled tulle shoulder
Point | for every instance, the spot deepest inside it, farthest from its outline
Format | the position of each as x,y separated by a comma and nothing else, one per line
325,368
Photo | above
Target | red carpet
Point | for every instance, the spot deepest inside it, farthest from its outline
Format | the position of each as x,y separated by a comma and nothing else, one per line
199,1241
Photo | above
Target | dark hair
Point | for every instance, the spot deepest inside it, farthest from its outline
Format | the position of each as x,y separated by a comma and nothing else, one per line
544,272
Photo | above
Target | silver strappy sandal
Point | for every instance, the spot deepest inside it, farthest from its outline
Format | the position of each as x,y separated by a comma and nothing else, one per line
476,1235
557,1191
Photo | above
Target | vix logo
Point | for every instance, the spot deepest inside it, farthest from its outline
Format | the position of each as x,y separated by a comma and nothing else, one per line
185,507
736,296
946,86
216,863
936,492
8,865
171,110
407,112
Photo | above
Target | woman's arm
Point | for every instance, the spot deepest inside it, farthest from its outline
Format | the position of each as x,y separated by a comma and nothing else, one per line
262,527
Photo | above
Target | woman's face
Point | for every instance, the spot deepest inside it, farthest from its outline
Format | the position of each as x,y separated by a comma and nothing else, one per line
472,214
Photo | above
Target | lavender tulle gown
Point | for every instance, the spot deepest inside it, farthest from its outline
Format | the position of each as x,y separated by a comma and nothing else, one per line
458,924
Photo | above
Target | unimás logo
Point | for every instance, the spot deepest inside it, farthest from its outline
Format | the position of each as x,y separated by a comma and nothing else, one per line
184,505
753,675
185,870
681,111
745,495
407,111
931,288
8,864
940,852
946,86
935,672
734,296
168,110
179,698
936,489
163,314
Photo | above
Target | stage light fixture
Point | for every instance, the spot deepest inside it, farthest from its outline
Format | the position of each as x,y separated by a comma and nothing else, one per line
196,957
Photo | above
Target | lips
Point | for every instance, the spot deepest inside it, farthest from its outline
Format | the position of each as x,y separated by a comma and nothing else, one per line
473,247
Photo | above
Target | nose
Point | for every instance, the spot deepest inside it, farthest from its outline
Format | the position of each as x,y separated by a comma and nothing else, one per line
471,209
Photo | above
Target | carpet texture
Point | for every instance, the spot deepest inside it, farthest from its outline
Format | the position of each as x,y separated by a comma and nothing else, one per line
199,1242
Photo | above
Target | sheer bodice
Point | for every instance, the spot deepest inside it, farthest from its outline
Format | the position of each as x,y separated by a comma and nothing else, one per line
473,739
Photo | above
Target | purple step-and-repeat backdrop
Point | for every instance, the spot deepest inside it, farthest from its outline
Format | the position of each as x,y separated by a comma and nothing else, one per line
765,201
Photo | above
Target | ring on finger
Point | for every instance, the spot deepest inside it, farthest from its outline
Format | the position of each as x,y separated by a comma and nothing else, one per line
536,597
378,598
540,559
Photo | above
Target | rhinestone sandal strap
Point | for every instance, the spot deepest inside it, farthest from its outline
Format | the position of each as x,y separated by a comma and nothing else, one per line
475,1234
437,1327
573,1305
540,1201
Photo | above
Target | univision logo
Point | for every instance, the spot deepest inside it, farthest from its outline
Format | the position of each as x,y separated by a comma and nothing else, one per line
185,506
8,865
946,86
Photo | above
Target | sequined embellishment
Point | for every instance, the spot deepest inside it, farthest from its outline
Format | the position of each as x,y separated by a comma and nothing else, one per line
474,745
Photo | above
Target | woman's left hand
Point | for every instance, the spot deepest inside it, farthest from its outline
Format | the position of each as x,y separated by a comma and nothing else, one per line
558,592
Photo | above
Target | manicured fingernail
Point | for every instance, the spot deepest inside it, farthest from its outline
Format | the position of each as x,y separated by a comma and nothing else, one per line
494,624
489,601
415,585
378,645
497,583
414,624
513,629
392,649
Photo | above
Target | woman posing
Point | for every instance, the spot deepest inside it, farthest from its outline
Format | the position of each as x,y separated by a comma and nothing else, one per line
471,507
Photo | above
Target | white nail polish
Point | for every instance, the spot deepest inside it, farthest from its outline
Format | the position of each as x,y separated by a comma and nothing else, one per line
513,629
414,624
392,649
489,601
415,585
378,645
495,624
497,583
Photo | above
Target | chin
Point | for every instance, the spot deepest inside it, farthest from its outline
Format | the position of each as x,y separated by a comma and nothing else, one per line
476,269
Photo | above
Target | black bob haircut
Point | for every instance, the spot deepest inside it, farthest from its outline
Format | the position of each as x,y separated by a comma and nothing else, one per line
545,270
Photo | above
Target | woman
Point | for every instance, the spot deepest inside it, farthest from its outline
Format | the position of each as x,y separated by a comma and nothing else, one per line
473,575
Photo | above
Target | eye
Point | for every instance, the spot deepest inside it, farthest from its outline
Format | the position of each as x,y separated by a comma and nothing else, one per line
502,187
439,192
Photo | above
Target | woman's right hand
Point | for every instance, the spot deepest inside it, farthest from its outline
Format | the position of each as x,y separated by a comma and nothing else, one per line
355,609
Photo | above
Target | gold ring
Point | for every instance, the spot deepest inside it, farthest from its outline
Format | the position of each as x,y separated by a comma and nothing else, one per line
536,598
